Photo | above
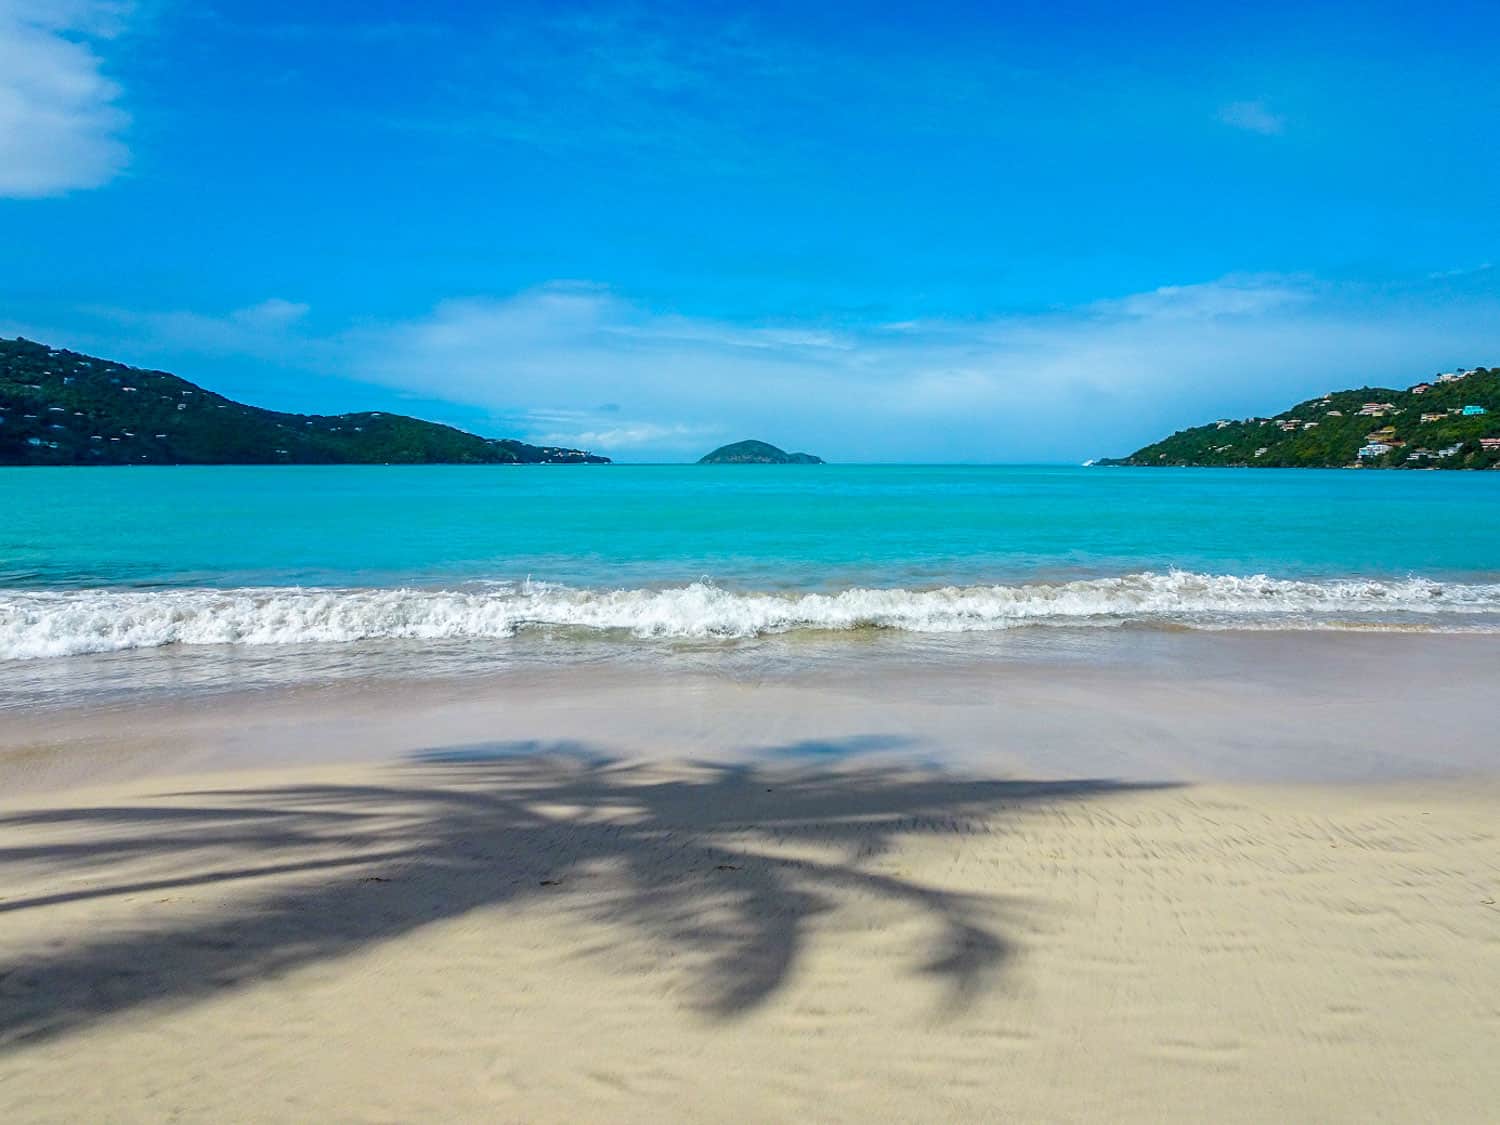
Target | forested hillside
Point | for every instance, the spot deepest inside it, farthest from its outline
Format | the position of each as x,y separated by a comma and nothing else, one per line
61,408
1453,422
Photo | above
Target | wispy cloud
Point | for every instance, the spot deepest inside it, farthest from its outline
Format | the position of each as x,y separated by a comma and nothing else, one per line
725,89
262,329
1460,271
1098,378
632,437
1253,117
60,121
579,364
1235,296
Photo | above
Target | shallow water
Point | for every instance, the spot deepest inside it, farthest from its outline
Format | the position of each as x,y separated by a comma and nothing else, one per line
278,574
743,527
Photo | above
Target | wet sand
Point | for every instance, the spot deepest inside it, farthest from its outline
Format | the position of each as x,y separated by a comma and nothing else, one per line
1143,706
1241,890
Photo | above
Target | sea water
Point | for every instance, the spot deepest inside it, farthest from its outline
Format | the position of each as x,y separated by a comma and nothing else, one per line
459,564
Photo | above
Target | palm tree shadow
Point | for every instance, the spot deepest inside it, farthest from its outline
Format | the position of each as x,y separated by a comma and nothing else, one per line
730,863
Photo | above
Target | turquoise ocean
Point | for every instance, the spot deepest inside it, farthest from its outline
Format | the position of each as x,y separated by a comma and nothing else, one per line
316,567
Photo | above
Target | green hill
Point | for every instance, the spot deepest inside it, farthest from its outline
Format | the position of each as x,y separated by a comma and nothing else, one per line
756,453
1437,425
62,408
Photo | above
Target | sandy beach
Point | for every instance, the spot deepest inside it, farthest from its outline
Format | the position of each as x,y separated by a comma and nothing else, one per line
853,928
629,561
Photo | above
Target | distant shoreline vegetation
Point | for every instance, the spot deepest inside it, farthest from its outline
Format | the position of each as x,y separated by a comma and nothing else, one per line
756,453
63,408
1452,422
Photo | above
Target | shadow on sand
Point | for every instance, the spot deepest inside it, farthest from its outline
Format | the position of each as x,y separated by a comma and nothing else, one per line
727,862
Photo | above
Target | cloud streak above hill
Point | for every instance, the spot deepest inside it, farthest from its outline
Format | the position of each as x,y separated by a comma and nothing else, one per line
1061,384
579,364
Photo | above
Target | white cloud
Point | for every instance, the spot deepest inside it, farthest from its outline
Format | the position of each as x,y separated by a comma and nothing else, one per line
263,329
1229,296
1460,271
60,123
1102,378
270,315
631,437
577,364
1253,117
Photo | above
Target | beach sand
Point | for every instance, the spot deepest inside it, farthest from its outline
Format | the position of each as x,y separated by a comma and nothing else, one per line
847,931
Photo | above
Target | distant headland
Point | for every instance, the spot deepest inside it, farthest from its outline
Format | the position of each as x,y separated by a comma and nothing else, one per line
1451,422
756,453
62,408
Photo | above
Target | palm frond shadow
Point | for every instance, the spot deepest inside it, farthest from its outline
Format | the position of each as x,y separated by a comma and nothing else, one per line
728,862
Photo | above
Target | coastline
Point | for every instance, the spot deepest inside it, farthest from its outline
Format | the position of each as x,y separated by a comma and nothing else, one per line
1142,705
1180,876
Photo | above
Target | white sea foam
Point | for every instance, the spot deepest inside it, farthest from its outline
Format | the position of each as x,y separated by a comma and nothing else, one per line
37,624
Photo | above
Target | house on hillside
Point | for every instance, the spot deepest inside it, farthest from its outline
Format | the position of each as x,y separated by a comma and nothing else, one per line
1433,416
1374,449
1490,444
1376,409
1385,433
1420,388
1473,411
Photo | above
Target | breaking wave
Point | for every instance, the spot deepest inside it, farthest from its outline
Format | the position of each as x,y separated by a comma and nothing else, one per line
39,624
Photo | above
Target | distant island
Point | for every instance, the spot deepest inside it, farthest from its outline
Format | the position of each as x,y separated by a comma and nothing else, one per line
1453,422
61,408
756,453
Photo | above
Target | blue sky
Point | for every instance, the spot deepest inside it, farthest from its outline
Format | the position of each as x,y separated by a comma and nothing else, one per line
987,232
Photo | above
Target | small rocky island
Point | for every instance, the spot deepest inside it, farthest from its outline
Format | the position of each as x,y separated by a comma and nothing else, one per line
756,453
